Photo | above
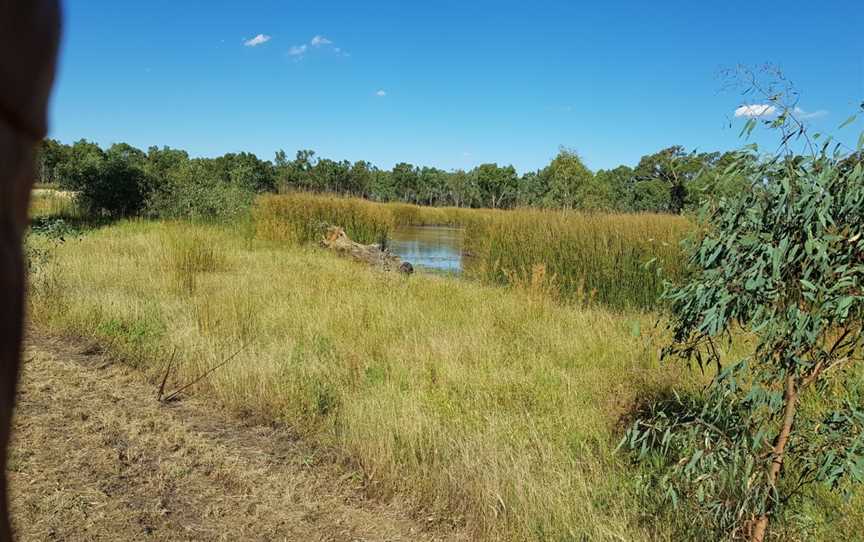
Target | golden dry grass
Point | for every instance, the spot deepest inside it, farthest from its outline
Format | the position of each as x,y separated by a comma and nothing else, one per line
497,407
95,457
55,203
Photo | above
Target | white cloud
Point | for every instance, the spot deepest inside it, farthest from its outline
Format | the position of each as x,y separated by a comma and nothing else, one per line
755,110
804,115
297,50
257,40
381,93
318,41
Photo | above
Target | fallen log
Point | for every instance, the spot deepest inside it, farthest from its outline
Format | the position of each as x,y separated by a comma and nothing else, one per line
337,240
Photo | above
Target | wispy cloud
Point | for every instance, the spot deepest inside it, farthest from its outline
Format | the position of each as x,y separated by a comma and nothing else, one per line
381,93
257,40
318,41
806,115
755,110
297,50
768,110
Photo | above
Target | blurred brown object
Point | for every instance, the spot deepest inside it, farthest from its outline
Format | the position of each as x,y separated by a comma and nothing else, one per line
29,38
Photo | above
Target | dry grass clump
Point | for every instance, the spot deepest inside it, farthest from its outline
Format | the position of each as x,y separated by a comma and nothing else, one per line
302,218
497,407
53,203
188,254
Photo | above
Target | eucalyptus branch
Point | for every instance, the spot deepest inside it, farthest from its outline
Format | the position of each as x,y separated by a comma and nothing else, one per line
768,267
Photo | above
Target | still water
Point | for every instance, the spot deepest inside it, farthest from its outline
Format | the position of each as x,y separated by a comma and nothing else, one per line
430,248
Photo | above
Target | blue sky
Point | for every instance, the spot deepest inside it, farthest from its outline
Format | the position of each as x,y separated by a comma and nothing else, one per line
443,83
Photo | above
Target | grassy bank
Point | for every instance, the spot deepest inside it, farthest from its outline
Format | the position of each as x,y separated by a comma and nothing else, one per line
497,408
619,260
493,406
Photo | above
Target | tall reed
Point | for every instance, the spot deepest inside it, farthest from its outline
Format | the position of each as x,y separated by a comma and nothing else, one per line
299,217
302,218
618,260
187,255
54,204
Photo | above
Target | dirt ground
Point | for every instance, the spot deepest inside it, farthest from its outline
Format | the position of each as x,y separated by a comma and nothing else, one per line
97,457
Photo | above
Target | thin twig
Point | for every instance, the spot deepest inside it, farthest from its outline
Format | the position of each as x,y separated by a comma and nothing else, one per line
205,375
165,377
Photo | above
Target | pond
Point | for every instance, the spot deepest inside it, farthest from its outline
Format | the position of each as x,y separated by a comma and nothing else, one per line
429,248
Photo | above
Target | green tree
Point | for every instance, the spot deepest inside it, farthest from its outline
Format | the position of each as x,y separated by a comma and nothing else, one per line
383,188
462,189
405,179
784,264
109,182
361,179
673,167
432,184
532,190
331,176
295,174
160,162
497,185
569,181
50,156
712,183
83,161
195,190
247,171
619,184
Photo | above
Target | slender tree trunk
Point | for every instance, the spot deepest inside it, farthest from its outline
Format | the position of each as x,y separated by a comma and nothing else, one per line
790,398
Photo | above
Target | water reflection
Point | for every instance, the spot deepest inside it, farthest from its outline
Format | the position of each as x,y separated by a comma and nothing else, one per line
433,248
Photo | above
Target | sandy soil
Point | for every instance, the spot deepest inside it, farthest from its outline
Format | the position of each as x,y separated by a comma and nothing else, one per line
97,457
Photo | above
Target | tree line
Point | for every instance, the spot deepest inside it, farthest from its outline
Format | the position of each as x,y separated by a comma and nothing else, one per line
123,180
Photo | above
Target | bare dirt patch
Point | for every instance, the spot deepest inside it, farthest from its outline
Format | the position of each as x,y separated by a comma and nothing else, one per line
96,457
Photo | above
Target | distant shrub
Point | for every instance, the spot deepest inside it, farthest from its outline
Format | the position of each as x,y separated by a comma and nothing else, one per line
193,192
109,182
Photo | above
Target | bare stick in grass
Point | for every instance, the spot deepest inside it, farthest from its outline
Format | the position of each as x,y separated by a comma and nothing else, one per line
203,376
165,376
